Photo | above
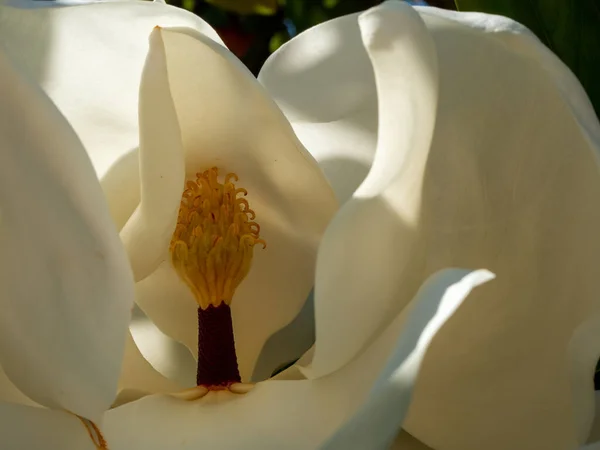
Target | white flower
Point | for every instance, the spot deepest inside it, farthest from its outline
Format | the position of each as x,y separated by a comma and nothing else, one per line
481,151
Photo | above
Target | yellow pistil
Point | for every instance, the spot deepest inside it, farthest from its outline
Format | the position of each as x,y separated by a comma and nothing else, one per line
213,243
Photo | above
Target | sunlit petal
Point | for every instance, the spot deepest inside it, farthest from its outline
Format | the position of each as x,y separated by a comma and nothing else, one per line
66,285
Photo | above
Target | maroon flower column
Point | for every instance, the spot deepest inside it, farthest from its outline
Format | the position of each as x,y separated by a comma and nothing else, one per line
217,360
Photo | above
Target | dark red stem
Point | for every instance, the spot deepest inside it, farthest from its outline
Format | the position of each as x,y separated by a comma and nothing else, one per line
217,361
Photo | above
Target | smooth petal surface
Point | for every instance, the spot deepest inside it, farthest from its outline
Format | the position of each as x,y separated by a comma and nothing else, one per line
376,425
594,435
89,58
148,231
138,378
513,161
26,427
10,393
297,414
323,82
361,279
66,285
227,121
168,356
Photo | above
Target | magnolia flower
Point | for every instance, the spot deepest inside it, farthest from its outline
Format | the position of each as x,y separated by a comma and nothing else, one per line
451,140
64,352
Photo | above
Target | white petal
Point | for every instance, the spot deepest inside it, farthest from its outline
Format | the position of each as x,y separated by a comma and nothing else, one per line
323,81
89,59
138,378
148,231
288,344
512,162
66,284
169,357
360,280
376,424
503,193
295,415
227,121
10,393
595,428
583,353
25,427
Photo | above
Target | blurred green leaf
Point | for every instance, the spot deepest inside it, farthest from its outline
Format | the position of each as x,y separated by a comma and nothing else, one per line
278,39
262,7
330,3
188,4
570,28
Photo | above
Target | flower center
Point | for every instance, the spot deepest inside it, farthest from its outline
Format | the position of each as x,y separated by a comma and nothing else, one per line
211,250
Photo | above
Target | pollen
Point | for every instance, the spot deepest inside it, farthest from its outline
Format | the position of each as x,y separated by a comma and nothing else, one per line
213,243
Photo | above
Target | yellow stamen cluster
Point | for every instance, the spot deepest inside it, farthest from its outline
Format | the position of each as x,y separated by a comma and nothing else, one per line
214,240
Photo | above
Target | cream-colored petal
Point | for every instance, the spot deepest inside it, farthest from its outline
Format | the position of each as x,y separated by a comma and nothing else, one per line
376,424
138,377
167,356
227,121
361,279
595,428
323,82
148,231
513,161
511,184
11,394
169,302
289,344
66,285
295,415
582,358
89,59
25,427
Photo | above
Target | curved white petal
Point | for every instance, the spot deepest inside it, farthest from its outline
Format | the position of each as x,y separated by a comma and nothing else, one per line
529,159
288,344
66,285
148,231
359,282
138,378
595,428
583,353
26,427
11,394
297,415
323,82
513,162
227,121
169,357
376,424
89,59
